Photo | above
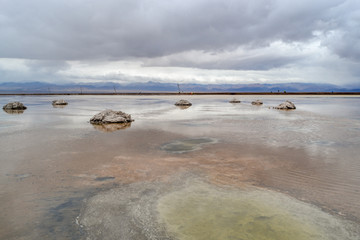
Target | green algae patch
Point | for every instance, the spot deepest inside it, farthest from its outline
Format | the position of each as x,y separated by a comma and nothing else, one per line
203,212
187,145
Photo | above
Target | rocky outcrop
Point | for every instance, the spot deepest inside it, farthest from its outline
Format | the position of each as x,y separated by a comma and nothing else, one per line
59,102
257,102
183,102
286,106
14,106
234,100
110,116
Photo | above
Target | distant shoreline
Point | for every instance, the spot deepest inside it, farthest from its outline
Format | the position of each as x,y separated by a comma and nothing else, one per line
187,93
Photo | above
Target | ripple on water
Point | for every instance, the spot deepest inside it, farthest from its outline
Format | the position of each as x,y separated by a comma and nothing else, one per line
204,212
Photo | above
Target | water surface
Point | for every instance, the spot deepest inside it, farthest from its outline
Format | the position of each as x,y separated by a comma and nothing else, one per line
52,159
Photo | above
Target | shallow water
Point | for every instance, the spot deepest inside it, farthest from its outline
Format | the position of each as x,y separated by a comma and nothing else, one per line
53,158
204,212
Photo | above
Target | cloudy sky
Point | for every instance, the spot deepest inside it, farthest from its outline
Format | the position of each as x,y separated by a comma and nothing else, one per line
180,41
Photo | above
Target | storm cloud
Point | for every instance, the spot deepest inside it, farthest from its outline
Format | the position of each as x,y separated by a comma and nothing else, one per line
204,34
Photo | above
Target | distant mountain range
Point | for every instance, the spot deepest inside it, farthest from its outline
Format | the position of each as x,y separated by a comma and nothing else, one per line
111,87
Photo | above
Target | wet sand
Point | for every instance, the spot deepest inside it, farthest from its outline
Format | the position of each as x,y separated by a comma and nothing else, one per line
54,166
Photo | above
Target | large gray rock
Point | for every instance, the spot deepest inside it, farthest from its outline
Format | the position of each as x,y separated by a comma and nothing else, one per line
59,102
257,102
234,100
183,102
14,106
110,116
286,106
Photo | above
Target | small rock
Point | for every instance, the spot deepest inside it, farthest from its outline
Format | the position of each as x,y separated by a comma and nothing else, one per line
234,100
14,106
286,106
110,116
183,102
59,102
257,102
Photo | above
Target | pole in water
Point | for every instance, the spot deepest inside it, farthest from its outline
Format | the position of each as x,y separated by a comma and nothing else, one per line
178,87
114,89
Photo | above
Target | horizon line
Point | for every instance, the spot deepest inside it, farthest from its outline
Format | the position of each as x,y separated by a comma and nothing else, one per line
184,93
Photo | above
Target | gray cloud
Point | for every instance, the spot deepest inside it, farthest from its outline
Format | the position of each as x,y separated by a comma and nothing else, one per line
257,62
35,70
264,37
47,66
112,29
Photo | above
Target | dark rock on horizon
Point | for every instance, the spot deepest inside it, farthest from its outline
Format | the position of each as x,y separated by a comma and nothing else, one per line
59,102
110,116
234,100
14,106
183,102
286,106
257,102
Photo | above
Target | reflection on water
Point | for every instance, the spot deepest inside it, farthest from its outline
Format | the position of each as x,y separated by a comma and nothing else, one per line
11,111
59,105
111,127
187,145
183,107
50,157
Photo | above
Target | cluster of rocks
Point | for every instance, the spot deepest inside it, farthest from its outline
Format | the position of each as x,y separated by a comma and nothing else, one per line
287,105
110,116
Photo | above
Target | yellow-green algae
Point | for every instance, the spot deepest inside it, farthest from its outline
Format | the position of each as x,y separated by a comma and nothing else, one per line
204,212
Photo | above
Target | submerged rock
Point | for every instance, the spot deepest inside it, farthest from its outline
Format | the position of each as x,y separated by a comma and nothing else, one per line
59,102
110,116
14,106
234,100
286,106
183,102
257,102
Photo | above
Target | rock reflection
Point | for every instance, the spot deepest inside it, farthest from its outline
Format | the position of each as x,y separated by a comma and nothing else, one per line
183,107
12,111
187,145
112,127
58,106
